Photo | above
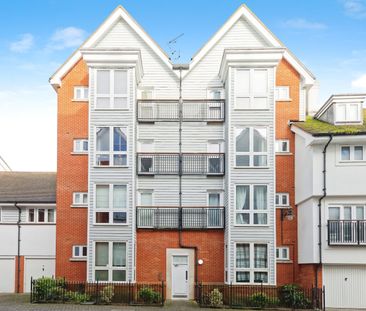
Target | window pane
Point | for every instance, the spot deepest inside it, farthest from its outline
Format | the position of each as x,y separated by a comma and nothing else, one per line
334,213
214,199
119,159
85,249
103,82
102,217
119,217
119,254
120,82
242,140
242,256
260,81
341,112
31,215
260,197
103,102
85,145
243,81
260,277
119,275
360,212
260,218
119,140
85,198
284,199
358,153
243,102
242,160
101,275
347,213
242,218
146,198
76,251
260,160
260,103
277,199
259,140
242,276
120,102
260,256
242,197
345,153
102,159
119,196
41,215
353,113
103,139
101,254
51,215
102,196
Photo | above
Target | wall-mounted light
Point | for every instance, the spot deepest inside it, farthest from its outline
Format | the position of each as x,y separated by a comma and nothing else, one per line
200,261
287,213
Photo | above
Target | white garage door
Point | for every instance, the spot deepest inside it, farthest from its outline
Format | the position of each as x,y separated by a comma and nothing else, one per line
7,275
344,286
36,268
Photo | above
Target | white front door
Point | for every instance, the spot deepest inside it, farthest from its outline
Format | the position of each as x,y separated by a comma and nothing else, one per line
36,268
7,275
180,276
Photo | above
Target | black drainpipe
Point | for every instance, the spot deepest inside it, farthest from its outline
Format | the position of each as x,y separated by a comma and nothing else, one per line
18,254
320,208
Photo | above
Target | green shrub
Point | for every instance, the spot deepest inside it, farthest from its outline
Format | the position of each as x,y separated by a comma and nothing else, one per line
215,298
292,296
149,296
106,294
48,289
258,300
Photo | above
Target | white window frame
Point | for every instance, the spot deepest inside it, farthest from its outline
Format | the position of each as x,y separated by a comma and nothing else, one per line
279,253
111,153
84,91
221,204
210,92
251,268
82,195
282,93
36,211
251,153
81,251
150,209
279,144
110,267
347,113
251,211
1,214
111,208
251,95
352,154
80,142
281,195
112,94
353,207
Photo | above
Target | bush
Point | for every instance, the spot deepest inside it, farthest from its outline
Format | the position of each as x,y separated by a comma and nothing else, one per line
149,296
292,296
106,294
215,298
259,300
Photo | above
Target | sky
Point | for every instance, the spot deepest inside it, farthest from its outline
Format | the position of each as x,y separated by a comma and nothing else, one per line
36,37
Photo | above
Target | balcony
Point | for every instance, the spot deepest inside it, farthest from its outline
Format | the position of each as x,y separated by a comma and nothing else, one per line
159,110
209,164
346,232
186,218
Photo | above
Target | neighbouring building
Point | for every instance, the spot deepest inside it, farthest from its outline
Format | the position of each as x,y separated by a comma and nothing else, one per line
27,229
330,166
157,182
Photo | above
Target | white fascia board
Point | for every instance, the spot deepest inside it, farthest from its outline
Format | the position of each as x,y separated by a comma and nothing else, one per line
267,57
305,135
118,13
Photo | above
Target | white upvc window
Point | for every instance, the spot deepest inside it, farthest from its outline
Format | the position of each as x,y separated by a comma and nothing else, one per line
251,205
282,253
81,93
79,251
41,215
251,146
80,145
354,153
214,213
282,145
146,211
111,89
346,212
80,199
347,113
110,261
110,204
251,263
282,93
282,199
251,89
111,146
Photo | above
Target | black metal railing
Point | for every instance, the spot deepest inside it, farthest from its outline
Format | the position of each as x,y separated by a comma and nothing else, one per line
154,217
347,232
189,164
62,291
209,110
259,296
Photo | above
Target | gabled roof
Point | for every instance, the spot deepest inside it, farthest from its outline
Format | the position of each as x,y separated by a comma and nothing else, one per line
118,13
27,187
244,11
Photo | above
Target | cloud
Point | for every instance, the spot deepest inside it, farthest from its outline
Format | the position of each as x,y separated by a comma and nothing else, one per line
66,38
360,82
355,8
23,45
301,23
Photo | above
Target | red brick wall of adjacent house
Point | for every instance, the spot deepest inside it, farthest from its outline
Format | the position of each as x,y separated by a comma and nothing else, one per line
21,274
72,174
151,253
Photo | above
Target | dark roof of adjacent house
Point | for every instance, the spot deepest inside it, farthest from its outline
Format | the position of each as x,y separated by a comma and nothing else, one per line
319,128
27,187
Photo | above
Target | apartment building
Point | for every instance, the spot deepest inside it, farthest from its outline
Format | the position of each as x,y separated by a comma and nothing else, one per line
27,229
182,173
330,167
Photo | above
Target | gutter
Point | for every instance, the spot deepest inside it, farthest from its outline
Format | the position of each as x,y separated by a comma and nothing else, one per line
18,246
324,172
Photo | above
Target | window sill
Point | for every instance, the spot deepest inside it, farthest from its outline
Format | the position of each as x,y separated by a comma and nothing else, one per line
79,153
283,207
284,100
284,153
79,205
111,109
284,261
113,225
111,166
78,259
251,225
251,109
81,100
251,167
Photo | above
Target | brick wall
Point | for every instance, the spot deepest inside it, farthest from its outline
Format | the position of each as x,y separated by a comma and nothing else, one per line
21,274
72,174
